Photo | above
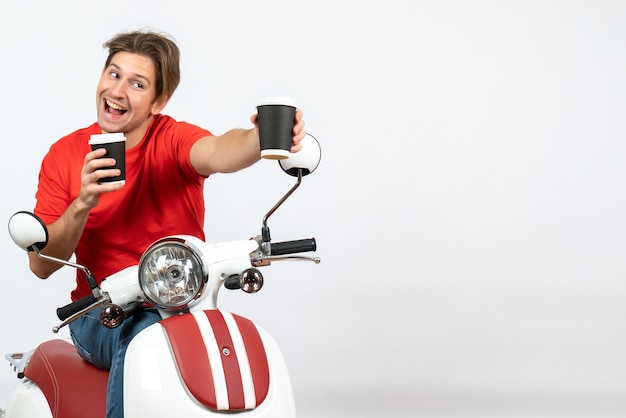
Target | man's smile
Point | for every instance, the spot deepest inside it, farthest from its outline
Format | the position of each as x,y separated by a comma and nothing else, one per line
114,108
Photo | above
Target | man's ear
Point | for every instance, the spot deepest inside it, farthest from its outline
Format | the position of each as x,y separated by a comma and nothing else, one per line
158,105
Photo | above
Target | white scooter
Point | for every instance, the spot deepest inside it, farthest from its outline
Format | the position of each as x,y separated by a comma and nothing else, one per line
198,361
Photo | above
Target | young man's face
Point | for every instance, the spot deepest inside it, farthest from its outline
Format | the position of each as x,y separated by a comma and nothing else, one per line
125,96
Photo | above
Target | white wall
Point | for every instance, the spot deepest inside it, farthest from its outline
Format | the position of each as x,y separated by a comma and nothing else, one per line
469,208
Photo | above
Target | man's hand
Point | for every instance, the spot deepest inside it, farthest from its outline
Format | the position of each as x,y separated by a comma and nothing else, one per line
94,169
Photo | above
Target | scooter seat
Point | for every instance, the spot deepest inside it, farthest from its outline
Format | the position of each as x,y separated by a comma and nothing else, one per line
73,387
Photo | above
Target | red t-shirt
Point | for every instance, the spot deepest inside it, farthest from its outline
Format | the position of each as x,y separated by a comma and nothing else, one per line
163,196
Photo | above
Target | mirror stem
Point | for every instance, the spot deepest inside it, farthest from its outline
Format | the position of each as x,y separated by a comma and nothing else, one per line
265,230
91,281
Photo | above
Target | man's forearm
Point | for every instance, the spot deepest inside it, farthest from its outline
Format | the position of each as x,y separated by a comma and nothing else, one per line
63,237
233,151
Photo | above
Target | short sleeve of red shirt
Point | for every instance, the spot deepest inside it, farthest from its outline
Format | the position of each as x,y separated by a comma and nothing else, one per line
163,195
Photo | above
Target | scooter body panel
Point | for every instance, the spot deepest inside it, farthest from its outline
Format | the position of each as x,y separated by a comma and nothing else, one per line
155,386
27,401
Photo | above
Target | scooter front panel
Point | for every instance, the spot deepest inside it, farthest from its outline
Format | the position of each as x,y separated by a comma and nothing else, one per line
154,384
221,359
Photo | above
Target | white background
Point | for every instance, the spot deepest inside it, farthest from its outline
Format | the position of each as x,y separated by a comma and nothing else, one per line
469,208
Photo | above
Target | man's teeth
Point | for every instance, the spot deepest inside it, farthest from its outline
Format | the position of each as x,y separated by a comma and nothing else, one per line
114,106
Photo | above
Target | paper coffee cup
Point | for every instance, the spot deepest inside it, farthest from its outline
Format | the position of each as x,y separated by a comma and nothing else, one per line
276,118
115,144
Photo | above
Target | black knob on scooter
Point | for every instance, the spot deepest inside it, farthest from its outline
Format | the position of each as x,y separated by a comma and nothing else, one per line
251,280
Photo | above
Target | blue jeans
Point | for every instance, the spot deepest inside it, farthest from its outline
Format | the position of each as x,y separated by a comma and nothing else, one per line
106,348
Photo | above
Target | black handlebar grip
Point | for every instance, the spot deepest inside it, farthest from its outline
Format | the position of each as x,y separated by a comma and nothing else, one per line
292,247
233,282
68,310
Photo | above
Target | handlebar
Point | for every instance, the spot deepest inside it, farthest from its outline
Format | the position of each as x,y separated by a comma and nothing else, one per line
292,247
70,309
276,249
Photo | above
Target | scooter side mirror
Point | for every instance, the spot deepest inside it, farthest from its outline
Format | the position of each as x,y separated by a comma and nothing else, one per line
307,159
31,234
298,165
28,231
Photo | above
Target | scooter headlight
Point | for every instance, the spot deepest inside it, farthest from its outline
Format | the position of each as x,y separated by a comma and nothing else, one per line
171,274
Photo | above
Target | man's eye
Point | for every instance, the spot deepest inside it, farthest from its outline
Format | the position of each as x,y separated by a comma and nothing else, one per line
114,74
138,85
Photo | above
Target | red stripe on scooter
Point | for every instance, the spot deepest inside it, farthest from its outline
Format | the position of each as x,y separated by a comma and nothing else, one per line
232,373
256,357
191,357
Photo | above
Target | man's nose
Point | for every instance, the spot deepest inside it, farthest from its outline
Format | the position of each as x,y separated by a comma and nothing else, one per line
119,88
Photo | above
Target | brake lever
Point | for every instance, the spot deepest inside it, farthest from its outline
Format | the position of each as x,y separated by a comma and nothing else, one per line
77,315
266,261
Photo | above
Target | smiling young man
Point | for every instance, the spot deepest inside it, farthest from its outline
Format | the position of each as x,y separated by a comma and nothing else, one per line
108,226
